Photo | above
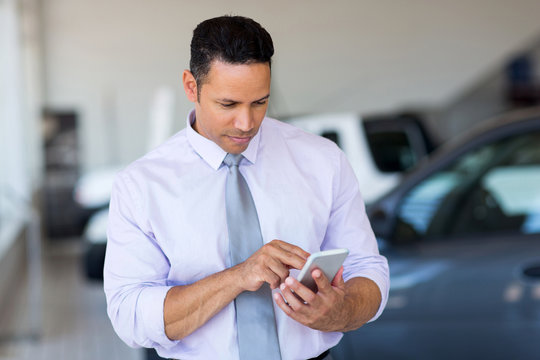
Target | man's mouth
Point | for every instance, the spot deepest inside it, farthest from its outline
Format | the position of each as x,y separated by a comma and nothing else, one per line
240,140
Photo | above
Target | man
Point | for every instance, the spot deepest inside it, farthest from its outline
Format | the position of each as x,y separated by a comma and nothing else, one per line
174,278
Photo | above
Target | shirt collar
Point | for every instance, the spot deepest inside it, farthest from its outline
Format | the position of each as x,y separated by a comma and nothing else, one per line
210,152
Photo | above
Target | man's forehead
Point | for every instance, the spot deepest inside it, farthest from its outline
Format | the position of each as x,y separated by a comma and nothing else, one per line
218,65
229,79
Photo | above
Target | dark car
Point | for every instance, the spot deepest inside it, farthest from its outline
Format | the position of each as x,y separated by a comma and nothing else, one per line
462,237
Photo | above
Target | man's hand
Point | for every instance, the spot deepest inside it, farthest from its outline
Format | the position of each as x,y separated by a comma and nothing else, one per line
323,310
271,264
337,306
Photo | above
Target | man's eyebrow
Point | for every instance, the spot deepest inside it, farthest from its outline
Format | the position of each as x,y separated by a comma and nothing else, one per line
263,98
225,100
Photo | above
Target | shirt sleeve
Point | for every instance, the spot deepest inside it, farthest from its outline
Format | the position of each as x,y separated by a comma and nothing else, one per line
135,272
349,227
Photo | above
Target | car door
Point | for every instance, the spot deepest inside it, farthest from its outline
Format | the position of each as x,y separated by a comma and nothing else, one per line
464,255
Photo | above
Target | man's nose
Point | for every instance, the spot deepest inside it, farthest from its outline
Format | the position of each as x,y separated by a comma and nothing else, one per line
244,120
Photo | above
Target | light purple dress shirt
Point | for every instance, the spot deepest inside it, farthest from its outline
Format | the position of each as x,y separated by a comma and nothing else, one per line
167,227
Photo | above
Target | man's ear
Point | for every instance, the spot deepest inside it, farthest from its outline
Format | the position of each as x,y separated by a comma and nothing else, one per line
190,85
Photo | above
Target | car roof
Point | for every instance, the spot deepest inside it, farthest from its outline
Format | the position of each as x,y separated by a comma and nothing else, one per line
494,128
500,121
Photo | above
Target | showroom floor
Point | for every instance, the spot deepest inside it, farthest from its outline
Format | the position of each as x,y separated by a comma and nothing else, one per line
74,321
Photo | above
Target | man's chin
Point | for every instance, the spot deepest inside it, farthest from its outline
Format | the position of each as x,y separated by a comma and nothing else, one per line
235,147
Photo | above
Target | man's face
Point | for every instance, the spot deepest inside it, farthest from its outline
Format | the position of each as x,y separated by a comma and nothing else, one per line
231,104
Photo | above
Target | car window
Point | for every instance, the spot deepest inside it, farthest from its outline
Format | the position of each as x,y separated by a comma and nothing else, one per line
333,136
396,143
495,188
392,151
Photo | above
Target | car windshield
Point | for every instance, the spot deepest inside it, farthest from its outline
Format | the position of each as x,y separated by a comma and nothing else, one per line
495,188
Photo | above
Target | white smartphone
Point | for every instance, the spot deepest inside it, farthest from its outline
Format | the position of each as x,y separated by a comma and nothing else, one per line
328,261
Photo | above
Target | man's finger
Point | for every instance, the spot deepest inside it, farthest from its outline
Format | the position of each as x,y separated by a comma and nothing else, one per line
301,291
294,301
279,269
272,279
284,306
292,249
289,258
323,285
295,249
338,279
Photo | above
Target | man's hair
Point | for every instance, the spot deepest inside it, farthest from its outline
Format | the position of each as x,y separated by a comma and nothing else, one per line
230,39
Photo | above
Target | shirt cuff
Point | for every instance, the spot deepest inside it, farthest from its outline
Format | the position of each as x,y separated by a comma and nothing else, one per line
150,309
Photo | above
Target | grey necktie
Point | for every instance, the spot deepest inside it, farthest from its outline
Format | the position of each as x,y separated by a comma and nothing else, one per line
256,324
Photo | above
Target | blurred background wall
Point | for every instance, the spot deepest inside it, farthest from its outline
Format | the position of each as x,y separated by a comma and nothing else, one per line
105,59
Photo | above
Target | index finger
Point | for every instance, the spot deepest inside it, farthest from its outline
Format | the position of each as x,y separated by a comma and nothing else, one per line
290,255
293,248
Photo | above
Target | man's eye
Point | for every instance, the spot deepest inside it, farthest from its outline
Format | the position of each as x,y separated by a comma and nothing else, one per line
227,105
260,102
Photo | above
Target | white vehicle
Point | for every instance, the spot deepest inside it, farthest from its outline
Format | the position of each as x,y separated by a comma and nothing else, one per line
379,148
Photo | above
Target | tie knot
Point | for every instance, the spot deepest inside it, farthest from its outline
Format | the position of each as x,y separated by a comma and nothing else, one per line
232,159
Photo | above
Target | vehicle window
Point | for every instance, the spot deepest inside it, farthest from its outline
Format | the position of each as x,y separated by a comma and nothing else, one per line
392,151
332,135
495,188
